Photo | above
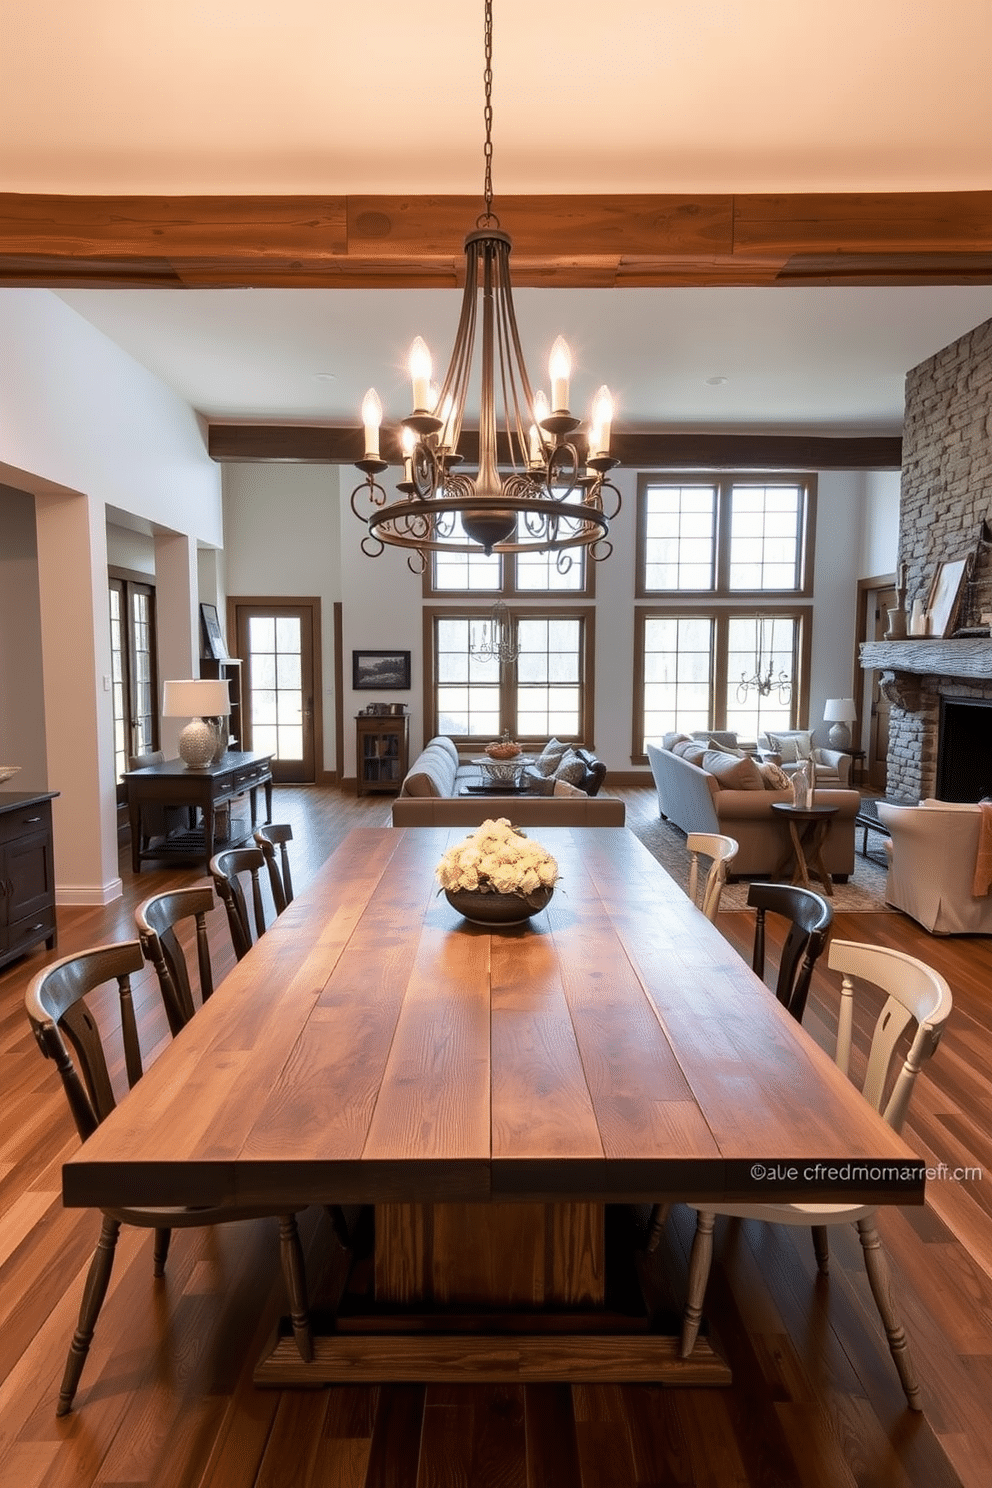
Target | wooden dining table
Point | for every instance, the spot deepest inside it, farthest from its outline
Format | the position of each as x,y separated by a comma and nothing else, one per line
491,1093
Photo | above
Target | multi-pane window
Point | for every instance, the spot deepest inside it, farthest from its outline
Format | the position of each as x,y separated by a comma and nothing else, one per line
507,573
545,689
725,535
736,655
132,651
718,669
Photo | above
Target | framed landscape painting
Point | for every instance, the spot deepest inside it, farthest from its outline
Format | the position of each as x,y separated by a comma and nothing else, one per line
380,670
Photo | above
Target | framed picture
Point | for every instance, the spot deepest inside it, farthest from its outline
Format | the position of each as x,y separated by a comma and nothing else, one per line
380,670
213,640
945,591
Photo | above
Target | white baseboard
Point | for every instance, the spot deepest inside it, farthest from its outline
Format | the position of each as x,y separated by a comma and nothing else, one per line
79,896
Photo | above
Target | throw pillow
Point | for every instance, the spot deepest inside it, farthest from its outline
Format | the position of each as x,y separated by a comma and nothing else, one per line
536,784
774,776
669,741
732,771
562,788
691,750
572,768
550,757
723,748
793,747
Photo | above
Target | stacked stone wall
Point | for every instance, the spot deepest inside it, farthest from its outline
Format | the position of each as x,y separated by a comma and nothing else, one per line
946,494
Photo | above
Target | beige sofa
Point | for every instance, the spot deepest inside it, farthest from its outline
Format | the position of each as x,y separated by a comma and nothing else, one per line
429,796
693,798
789,747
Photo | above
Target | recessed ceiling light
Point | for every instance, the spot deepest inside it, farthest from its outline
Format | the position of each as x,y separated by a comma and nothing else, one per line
325,376
716,381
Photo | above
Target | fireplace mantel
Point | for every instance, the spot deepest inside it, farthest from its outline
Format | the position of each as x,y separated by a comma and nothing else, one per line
969,656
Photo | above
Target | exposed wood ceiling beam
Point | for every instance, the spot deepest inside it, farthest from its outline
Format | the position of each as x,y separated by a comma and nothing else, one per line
324,445
897,238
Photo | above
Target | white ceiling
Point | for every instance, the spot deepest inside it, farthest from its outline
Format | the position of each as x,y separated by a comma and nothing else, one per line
653,96
820,360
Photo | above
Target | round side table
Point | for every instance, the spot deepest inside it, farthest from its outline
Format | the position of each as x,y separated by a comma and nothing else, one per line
808,827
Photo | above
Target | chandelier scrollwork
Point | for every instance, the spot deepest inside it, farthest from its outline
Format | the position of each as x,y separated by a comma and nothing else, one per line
551,498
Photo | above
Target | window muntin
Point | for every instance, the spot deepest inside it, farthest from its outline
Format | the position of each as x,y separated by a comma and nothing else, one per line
727,535
690,666
546,690
765,547
508,573
133,670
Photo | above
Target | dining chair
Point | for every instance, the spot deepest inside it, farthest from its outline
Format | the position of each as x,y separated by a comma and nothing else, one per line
919,1000
722,850
810,918
156,919
267,839
61,1020
225,870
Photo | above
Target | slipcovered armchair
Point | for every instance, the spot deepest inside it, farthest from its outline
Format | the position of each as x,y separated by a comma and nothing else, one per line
789,747
932,852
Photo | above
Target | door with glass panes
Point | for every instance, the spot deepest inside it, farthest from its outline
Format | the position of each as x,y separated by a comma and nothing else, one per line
279,648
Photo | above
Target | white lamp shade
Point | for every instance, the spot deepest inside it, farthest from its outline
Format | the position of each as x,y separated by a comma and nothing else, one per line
203,697
840,710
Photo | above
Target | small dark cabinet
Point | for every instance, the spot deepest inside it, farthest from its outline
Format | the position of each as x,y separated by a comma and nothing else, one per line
382,746
27,873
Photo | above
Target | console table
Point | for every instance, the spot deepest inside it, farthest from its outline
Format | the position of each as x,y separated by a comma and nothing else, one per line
173,783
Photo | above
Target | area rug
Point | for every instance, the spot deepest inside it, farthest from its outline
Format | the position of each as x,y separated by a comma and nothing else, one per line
863,894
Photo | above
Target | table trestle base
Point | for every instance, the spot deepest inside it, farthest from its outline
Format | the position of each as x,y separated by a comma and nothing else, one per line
491,1359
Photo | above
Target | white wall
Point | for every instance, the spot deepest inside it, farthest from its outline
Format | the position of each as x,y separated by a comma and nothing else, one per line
283,539
880,535
85,427
291,531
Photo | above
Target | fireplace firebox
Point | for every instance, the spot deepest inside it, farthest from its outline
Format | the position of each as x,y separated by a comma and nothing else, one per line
964,749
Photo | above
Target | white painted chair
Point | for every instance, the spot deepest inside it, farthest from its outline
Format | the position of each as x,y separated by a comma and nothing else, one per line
722,850
916,994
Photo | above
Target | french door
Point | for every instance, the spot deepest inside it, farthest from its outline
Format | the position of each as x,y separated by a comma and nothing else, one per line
278,642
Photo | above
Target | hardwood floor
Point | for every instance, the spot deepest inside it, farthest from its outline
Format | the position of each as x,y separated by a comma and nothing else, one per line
167,1399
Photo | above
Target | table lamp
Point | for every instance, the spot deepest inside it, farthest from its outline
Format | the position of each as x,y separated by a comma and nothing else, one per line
201,700
840,712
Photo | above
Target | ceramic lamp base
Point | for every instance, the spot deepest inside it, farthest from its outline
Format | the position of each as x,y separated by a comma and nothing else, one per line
839,736
198,744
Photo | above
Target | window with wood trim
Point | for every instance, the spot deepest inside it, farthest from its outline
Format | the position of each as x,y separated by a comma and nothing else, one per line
134,669
694,664
726,535
508,574
547,689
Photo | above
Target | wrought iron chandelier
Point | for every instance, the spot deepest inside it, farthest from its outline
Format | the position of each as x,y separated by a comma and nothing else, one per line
544,502
763,679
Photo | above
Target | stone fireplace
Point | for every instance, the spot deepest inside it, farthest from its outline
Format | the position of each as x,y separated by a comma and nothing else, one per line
945,502
922,678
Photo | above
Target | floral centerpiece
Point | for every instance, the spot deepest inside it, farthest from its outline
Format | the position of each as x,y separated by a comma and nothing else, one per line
497,874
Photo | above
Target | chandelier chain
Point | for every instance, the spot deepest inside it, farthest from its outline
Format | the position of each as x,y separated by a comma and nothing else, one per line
488,118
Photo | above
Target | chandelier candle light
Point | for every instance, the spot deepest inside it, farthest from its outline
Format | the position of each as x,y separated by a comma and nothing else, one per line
542,503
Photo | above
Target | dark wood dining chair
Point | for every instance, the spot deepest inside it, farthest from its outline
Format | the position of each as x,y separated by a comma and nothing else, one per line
225,870
917,1005
156,919
810,918
61,1020
267,839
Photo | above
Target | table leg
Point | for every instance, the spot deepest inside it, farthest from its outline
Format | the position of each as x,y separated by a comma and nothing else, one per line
817,839
209,819
800,875
268,800
134,819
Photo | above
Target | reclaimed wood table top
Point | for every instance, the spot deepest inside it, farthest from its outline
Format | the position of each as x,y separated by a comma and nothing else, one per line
376,1047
